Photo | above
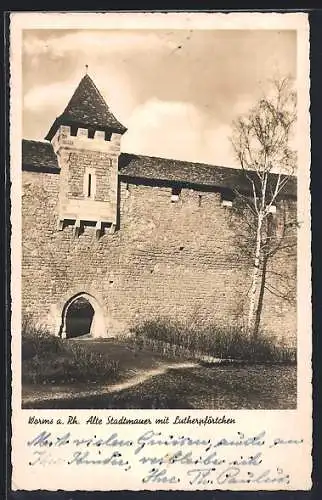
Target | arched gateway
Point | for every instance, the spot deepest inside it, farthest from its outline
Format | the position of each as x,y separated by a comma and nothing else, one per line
81,315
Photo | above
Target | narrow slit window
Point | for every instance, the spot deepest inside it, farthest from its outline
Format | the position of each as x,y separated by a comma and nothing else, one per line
89,186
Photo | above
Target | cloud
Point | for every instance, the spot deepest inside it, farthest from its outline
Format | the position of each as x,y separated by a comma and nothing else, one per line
217,146
172,129
177,92
94,42
177,130
114,87
54,95
161,128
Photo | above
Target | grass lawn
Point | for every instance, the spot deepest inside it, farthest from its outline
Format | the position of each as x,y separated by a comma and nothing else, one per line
216,387
131,361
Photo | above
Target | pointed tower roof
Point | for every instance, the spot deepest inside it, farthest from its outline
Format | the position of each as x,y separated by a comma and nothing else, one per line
87,109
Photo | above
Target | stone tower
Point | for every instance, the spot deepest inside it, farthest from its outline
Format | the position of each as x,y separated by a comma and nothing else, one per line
86,138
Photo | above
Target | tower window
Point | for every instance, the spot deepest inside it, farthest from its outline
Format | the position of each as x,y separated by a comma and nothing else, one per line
89,183
175,194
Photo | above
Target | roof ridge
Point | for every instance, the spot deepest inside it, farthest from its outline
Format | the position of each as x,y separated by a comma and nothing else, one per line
197,163
36,141
178,161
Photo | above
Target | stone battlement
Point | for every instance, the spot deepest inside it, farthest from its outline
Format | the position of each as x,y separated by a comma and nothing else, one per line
63,139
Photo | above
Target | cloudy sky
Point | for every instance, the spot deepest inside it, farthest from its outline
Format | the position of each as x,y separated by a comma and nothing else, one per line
177,92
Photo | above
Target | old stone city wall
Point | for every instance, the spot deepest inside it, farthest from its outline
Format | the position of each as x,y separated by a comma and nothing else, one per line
179,260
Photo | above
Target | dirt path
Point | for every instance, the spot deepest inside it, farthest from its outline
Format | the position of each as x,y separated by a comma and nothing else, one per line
140,377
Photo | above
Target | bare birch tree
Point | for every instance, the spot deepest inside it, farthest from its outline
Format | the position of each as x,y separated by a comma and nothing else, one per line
261,141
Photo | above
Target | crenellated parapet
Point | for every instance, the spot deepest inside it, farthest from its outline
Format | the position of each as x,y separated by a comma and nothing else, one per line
86,140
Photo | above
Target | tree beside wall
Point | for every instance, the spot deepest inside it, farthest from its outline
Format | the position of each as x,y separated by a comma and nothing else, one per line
262,144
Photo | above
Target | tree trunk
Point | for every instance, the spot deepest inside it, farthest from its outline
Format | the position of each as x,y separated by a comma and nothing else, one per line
260,303
255,279
259,308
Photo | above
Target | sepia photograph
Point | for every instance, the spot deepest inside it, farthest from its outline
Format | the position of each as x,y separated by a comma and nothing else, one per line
160,251
159,219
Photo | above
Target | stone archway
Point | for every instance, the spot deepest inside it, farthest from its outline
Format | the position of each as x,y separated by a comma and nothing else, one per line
94,320
79,318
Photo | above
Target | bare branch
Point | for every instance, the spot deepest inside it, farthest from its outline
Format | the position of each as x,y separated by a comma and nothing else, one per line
261,141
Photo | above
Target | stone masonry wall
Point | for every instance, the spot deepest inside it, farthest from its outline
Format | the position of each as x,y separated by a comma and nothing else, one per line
180,260
77,163
80,156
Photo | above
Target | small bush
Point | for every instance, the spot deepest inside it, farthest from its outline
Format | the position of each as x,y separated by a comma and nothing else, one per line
37,341
179,339
93,365
47,359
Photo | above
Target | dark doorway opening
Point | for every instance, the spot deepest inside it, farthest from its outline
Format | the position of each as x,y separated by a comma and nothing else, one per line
79,318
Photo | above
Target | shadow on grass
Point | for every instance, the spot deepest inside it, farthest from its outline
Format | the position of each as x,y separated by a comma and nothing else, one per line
108,401
228,387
